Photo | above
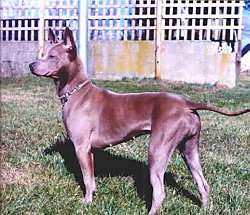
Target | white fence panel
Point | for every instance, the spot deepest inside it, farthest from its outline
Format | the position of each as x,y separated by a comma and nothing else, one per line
211,20
202,20
122,20
20,22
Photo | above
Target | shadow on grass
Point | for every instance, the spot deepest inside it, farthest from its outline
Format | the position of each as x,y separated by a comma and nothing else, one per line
107,164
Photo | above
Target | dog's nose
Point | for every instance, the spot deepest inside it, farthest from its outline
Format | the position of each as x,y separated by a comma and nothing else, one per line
31,66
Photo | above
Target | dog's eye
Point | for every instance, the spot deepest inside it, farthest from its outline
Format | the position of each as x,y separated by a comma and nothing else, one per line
52,56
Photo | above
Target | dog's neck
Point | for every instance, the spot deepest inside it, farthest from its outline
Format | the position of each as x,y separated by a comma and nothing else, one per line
72,75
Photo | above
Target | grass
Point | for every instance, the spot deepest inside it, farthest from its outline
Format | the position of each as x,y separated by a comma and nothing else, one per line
34,182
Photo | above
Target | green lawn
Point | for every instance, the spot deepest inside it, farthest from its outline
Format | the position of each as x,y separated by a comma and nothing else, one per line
39,173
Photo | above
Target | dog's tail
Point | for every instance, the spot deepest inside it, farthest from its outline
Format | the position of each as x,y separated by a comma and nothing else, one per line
204,106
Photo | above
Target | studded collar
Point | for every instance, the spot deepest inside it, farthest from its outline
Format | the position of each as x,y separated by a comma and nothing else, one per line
65,97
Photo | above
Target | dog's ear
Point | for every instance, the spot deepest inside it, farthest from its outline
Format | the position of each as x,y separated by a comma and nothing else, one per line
52,37
69,42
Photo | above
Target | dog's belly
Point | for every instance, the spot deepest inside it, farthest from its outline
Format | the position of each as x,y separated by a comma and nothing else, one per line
107,139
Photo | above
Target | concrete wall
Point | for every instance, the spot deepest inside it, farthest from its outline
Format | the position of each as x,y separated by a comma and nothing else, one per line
188,61
198,62
118,59
192,62
16,56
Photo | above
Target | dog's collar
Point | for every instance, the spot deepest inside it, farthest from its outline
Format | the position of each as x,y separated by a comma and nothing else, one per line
65,97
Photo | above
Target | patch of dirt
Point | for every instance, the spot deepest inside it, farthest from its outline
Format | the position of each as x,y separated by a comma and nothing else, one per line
8,96
12,175
21,176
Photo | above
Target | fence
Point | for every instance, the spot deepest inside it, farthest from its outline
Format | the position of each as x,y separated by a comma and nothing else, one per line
21,21
128,19
162,21
124,20
175,19
24,26
140,32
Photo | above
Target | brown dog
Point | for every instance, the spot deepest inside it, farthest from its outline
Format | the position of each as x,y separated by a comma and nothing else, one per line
98,118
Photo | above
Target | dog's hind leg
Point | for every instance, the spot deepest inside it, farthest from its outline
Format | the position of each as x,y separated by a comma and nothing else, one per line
162,145
190,154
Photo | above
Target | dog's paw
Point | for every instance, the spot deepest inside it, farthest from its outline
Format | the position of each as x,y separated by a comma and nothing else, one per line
87,200
204,203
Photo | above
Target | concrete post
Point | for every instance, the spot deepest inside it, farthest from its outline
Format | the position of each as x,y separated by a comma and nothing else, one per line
158,41
83,32
41,28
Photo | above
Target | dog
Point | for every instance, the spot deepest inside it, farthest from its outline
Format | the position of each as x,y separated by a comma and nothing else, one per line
96,118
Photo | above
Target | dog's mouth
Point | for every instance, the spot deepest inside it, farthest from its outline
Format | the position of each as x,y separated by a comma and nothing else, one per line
34,73
53,76
47,74
38,74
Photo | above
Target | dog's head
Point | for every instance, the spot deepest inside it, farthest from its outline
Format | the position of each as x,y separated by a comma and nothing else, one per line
57,57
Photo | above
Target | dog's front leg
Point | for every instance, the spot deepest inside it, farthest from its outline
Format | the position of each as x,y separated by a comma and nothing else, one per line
86,161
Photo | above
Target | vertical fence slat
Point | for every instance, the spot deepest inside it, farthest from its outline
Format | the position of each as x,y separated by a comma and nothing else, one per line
232,21
19,31
140,20
26,30
240,22
32,31
171,20
178,24
209,22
